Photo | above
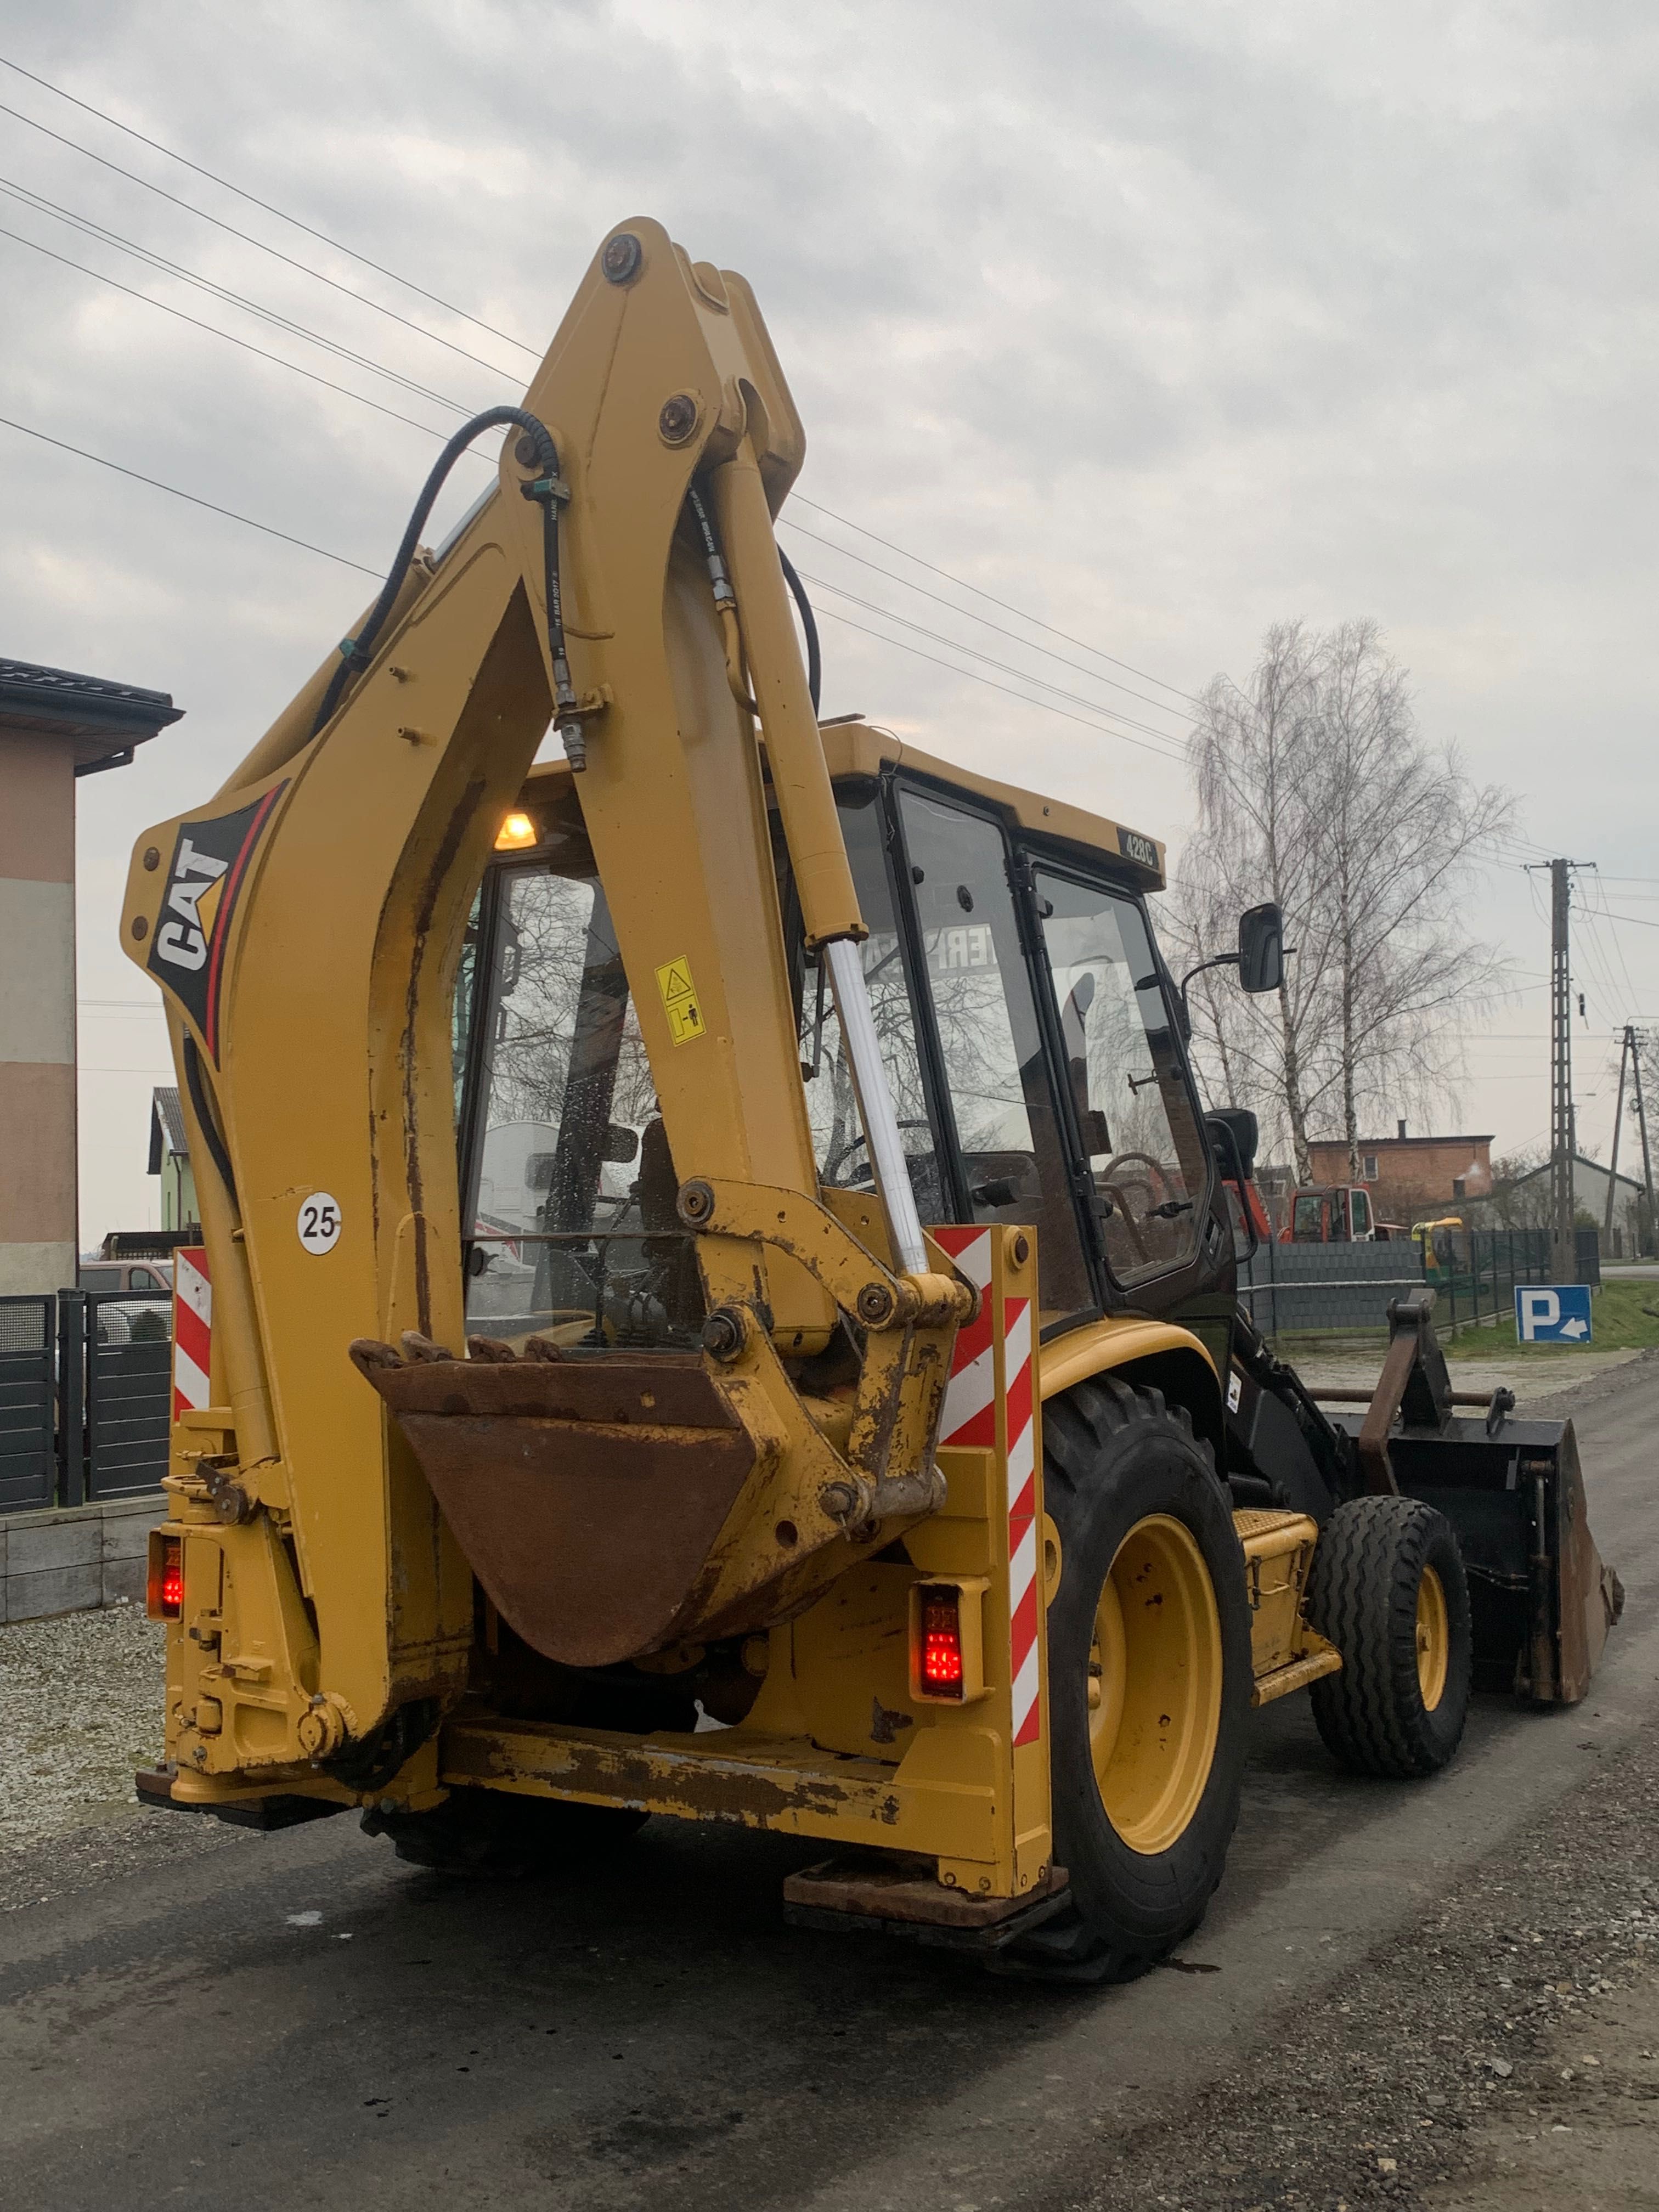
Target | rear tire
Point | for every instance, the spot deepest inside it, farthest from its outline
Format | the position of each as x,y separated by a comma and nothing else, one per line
1149,1682
492,1835
1388,1588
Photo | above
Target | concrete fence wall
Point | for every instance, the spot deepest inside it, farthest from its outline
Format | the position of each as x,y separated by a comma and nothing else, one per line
74,1558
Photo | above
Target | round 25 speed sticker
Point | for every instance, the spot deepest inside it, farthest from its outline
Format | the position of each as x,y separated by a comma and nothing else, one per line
319,1223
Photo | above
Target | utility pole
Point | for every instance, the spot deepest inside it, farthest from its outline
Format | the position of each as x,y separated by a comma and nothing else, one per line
1642,1124
1618,1116
1563,1254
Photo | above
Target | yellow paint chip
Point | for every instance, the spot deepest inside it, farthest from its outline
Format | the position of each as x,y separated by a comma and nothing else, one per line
680,1000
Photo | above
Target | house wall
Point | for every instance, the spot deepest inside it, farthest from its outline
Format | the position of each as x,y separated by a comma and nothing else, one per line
178,1193
1420,1172
37,1203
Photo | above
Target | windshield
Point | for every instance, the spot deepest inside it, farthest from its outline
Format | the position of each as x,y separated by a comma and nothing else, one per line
570,1186
1148,1160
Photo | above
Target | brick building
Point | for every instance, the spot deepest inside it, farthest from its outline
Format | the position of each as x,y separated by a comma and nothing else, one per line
1408,1174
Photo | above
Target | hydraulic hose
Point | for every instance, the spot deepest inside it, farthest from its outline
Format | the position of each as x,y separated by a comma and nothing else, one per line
210,1127
549,489
809,623
726,599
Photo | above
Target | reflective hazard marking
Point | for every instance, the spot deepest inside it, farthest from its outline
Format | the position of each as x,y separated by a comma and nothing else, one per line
193,1329
680,1000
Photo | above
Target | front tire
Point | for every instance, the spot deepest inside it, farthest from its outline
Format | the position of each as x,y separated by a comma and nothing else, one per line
1148,1678
1388,1588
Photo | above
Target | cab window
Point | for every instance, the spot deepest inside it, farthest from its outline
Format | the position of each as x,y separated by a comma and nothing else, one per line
570,1188
995,1068
1134,1107
1308,1221
1362,1213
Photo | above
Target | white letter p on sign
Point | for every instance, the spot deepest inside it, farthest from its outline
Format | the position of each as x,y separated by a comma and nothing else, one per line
1539,1309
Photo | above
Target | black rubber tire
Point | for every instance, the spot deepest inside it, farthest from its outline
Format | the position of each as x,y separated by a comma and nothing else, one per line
1362,1596
1114,1456
494,1835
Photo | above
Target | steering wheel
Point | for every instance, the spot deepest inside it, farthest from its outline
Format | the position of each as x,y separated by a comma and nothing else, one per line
1158,1183
1153,1181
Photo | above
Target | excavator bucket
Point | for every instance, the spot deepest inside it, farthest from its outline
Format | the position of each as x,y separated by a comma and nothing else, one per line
1541,1600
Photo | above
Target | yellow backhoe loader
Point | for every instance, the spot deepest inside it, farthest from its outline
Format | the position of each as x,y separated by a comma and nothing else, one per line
716,1290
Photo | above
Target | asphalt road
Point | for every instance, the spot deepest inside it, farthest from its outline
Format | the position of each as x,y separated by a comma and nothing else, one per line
299,2020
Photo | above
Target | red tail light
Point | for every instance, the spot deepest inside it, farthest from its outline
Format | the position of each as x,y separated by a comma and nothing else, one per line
939,1666
164,1597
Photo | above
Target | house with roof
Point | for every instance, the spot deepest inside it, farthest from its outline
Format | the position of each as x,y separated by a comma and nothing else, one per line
1409,1176
169,1158
54,727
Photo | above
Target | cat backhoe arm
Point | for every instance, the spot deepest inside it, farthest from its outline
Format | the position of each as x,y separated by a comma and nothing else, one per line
620,585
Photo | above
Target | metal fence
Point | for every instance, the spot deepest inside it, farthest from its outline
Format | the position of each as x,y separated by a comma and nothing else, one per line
28,1391
129,1392
86,1397
1306,1289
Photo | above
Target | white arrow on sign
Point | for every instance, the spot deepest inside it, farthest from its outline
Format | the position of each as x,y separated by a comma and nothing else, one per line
1576,1327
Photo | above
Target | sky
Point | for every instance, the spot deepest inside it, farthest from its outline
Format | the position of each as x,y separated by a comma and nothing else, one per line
1156,324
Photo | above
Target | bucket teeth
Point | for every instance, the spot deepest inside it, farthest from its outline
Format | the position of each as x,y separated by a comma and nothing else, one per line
417,1348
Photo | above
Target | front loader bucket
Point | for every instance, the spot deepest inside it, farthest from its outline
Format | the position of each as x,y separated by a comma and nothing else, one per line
1541,1600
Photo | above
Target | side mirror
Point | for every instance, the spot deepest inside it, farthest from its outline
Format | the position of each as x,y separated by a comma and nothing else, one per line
1261,948
622,1145
1241,1126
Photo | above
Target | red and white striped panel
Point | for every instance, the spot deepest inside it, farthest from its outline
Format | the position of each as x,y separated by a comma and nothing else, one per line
970,1413
969,1417
192,1331
1022,1519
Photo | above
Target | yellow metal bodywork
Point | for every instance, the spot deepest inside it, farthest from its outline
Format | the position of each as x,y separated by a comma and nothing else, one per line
1285,1653
325,1592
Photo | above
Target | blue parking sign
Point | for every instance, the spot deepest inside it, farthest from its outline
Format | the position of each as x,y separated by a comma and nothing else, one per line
1553,1313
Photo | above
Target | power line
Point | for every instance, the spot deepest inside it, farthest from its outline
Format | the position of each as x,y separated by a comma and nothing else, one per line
213,330
1076,700
1100,728
225,185
156,485
230,514
41,205
962,583
938,598
420,291
248,239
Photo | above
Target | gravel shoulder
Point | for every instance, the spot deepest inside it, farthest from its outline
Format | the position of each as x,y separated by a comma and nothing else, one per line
1501,2054
80,1709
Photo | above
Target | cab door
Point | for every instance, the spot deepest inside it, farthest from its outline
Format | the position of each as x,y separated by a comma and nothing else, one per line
1132,1108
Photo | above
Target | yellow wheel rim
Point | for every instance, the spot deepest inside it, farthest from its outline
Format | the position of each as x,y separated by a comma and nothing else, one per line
1155,1669
1433,1639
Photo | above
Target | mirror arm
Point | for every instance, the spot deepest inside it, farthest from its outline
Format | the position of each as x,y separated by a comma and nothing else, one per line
1221,960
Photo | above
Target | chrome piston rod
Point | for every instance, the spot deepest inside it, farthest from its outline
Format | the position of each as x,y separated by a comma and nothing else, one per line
875,1103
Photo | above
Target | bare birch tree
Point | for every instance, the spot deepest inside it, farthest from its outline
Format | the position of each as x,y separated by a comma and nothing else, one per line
1316,788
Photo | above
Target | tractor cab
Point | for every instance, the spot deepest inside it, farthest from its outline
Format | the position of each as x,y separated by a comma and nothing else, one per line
1334,1213
1027,1024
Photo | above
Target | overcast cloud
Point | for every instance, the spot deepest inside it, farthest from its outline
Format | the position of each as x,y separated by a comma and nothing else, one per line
1163,322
